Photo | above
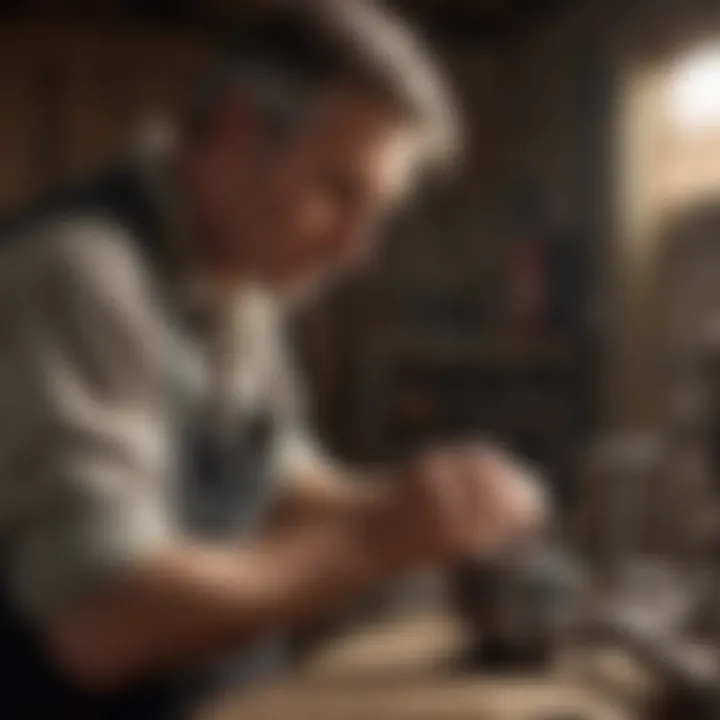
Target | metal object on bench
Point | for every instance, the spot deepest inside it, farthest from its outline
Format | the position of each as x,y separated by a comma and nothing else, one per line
690,689
517,612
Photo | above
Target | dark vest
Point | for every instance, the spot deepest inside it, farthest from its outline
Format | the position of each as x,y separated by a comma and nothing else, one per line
221,489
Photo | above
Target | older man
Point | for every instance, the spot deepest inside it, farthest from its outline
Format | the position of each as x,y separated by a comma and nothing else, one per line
148,410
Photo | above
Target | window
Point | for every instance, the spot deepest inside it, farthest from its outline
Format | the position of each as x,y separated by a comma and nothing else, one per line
694,91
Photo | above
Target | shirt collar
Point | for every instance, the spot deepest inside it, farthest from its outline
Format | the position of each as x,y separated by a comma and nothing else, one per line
151,156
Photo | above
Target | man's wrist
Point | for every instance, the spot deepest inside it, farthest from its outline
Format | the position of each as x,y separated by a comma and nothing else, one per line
377,538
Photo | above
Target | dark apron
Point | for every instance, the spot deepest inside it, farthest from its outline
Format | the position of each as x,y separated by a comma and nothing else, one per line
221,490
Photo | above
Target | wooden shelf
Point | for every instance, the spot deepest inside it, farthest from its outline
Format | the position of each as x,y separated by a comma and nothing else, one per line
507,350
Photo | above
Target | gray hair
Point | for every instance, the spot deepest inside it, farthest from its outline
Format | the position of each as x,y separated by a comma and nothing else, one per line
284,55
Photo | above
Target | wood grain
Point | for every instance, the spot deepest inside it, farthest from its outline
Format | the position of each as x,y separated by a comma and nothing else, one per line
404,670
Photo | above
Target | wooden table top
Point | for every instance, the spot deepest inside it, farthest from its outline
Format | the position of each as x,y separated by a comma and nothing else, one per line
403,670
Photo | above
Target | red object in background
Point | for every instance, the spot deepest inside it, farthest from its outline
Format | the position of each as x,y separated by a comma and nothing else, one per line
528,290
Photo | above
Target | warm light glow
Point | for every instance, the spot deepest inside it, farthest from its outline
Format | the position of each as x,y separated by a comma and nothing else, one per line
695,90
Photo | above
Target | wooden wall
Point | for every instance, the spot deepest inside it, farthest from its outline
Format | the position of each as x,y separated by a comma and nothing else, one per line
71,96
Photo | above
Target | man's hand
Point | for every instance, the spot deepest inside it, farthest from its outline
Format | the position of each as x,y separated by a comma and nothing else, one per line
193,603
457,503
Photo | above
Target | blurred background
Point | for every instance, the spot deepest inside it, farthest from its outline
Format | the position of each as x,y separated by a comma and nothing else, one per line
559,294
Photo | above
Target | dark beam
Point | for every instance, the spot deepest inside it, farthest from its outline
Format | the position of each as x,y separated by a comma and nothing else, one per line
479,23
474,23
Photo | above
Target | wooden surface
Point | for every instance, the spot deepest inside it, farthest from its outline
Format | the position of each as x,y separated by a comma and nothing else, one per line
404,670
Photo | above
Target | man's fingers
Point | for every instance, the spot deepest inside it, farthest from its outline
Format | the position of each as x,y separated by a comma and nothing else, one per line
463,503
509,497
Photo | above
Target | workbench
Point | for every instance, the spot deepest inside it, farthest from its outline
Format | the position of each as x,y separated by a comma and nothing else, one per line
406,669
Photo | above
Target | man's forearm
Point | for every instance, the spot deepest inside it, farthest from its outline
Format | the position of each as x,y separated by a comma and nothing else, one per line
194,603
327,494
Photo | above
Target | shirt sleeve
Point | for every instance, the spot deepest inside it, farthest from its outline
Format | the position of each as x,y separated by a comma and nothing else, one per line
83,431
299,455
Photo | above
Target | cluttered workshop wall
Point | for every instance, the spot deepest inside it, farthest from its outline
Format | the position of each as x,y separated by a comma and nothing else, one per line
74,96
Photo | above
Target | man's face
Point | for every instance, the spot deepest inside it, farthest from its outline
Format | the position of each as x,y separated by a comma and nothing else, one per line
296,211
